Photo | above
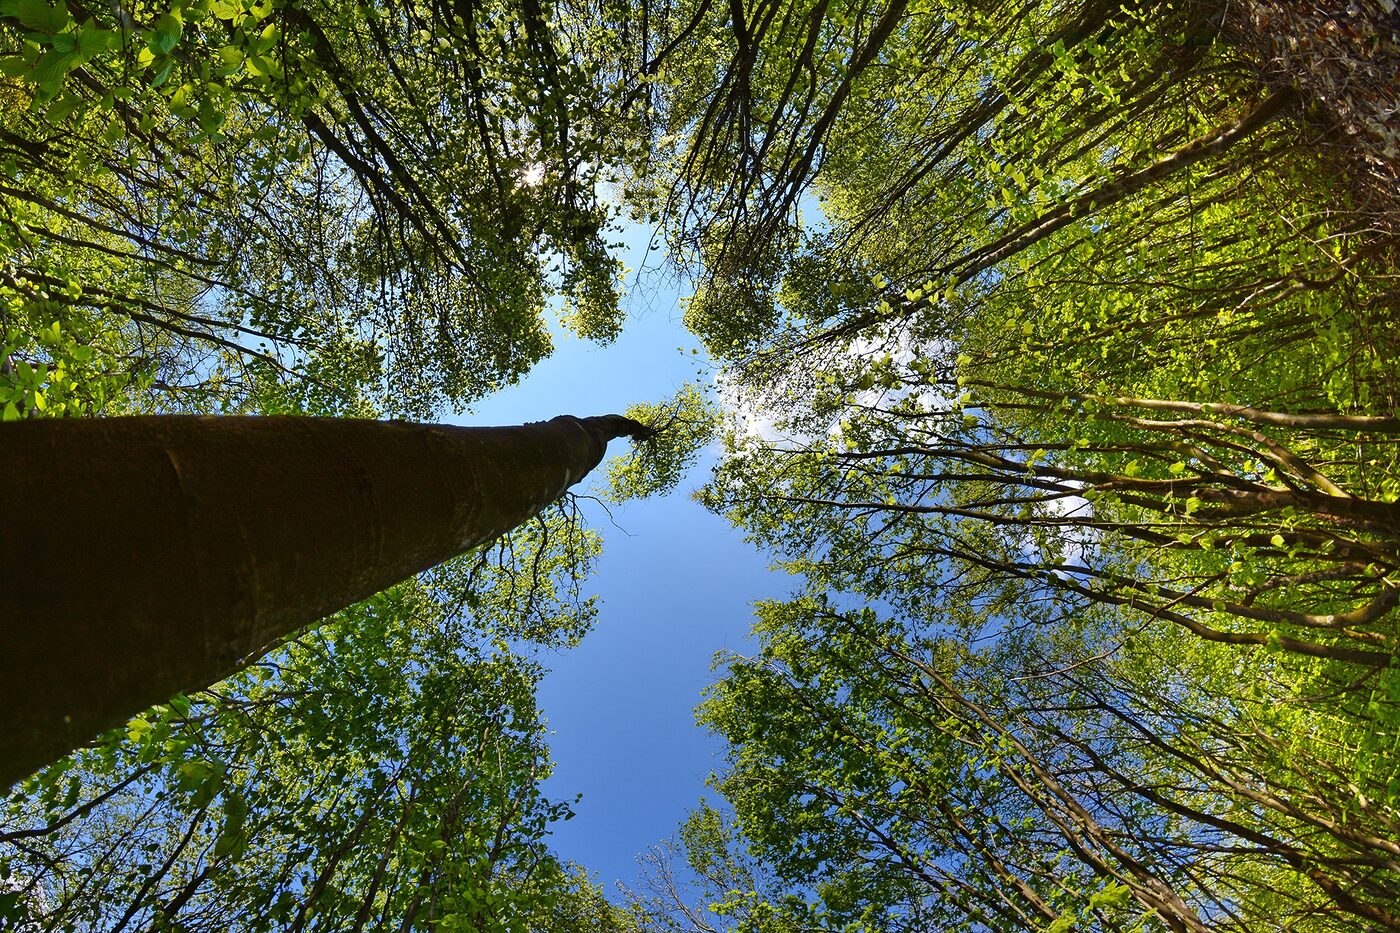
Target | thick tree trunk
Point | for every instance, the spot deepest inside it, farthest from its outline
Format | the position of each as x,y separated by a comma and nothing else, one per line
141,557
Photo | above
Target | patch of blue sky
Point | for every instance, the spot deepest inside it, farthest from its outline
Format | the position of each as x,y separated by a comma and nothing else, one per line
677,585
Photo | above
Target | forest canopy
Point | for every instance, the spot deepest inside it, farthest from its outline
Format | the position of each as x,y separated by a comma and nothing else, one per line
1076,322
1070,327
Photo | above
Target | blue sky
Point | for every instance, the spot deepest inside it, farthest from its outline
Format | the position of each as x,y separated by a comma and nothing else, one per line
677,584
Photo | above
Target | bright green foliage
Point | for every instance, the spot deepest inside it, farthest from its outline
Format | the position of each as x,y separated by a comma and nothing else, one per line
1081,363
258,206
56,368
528,587
705,881
370,204
380,771
684,424
1037,781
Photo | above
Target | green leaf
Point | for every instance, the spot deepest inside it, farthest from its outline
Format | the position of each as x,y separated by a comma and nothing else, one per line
138,729
53,66
1112,895
162,73
166,33
63,108
92,40
226,9
42,17
231,844
233,838
211,118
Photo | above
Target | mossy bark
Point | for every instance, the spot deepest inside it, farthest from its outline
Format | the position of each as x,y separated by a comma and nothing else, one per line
145,556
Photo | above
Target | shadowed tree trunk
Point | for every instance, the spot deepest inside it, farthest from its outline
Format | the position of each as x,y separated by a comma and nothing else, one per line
145,556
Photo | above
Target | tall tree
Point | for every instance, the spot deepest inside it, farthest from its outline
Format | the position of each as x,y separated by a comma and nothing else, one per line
369,204
1077,353
906,781
379,772
164,552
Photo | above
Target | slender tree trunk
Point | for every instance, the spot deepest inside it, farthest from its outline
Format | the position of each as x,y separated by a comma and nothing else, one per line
141,557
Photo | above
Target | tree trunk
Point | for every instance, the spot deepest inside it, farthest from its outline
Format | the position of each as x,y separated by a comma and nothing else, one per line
145,556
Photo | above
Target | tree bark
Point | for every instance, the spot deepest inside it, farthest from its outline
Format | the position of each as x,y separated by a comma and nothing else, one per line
141,557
